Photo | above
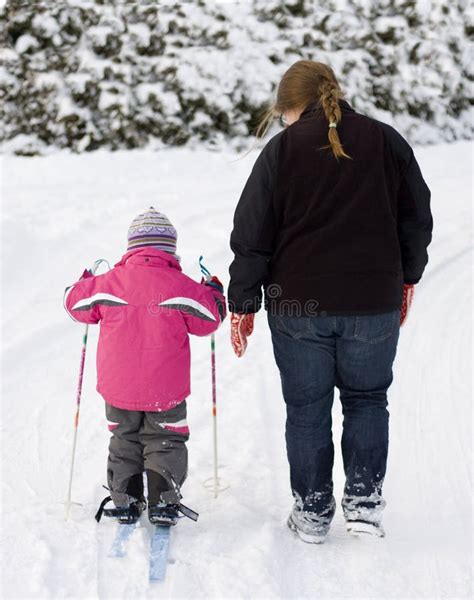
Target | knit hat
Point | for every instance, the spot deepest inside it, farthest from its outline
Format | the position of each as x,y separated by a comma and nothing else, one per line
154,229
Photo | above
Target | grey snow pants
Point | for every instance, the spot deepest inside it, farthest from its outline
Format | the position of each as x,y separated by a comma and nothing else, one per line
154,442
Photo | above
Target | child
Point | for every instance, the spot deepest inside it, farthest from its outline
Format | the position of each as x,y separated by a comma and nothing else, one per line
146,308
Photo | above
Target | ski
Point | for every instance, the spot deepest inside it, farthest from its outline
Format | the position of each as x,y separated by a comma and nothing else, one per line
122,535
159,548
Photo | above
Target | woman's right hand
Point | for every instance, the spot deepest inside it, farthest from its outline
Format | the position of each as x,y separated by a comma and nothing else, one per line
408,293
241,326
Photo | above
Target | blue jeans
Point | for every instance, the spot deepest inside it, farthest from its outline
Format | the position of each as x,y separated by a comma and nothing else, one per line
355,354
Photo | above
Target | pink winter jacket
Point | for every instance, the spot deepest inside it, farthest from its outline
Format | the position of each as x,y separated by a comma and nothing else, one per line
146,308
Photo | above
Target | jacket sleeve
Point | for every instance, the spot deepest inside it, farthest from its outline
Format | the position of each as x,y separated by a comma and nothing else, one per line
79,301
252,237
415,222
204,310
84,301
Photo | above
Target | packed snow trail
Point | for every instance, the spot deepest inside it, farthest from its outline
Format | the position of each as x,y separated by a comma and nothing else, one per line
59,214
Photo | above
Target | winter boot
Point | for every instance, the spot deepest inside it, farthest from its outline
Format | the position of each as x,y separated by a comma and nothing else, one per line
127,514
124,514
306,531
163,514
136,503
164,503
310,527
161,511
364,515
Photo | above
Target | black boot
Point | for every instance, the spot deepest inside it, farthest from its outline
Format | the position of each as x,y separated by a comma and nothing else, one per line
160,512
137,503
124,514
137,500
164,503
163,514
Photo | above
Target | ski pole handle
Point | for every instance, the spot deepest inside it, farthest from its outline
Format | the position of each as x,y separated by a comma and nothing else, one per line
204,270
97,264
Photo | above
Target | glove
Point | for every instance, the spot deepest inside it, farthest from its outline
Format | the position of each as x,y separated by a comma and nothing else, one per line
213,282
408,293
241,326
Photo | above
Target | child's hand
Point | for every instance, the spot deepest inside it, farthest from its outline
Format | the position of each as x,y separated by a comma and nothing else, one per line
213,281
87,273
241,326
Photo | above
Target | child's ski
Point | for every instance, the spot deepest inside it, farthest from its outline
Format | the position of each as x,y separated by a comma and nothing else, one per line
160,543
122,535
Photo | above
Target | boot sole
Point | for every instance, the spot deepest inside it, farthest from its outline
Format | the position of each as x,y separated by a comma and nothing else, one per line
162,522
357,528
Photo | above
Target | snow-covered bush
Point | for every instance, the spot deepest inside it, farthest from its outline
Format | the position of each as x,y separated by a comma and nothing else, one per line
84,74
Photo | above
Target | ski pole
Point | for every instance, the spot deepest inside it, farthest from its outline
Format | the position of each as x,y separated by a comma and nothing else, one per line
78,399
207,273
214,412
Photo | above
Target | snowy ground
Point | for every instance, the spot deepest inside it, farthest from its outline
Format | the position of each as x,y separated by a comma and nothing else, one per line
61,212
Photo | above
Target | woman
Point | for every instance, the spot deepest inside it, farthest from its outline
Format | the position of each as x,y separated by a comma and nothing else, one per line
334,222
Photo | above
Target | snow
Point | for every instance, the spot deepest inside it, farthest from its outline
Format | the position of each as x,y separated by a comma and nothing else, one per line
26,42
141,32
66,108
393,25
7,54
99,34
60,213
48,80
45,24
200,118
111,99
77,81
149,91
6,78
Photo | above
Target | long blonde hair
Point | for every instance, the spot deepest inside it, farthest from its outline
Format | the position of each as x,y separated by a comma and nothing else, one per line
304,83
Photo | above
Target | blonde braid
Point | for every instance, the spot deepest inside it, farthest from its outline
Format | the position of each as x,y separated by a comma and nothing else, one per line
330,94
303,83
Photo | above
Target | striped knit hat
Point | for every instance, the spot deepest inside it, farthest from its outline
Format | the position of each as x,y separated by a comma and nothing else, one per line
152,229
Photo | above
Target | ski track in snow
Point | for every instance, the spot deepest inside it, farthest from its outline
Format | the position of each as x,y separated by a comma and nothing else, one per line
60,213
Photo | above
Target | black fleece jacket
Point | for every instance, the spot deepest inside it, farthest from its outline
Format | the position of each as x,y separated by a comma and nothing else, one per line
327,236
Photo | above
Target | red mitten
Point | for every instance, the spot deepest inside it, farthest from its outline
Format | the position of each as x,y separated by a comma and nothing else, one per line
408,292
241,326
87,273
214,282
